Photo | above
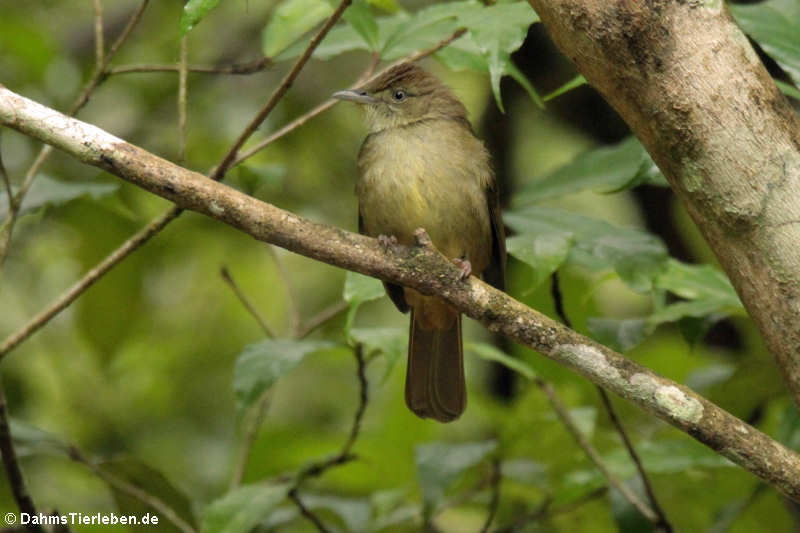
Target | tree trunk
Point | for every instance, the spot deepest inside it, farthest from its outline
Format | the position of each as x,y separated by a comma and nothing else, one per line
687,81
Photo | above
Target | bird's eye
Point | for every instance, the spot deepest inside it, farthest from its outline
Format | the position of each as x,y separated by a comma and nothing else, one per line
399,95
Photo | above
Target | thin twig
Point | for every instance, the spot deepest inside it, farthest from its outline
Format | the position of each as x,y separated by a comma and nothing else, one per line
547,510
251,67
16,481
308,513
252,425
182,78
245,301
307,327
662,522
495,480
96,78
345,455
278,93
150,500
99,47
6,180
294,311
157,225
69,296
568,422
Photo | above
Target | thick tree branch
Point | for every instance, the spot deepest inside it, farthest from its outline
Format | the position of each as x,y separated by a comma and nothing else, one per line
420,267
688,83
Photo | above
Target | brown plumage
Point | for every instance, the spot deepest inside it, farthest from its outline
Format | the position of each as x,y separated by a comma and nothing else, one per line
422,167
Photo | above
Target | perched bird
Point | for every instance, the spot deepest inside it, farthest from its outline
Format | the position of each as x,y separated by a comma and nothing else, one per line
421,166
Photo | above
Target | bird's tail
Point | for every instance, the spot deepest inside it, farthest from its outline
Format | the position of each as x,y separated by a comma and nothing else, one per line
435,386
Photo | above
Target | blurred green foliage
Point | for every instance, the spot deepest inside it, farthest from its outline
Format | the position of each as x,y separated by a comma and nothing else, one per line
157,372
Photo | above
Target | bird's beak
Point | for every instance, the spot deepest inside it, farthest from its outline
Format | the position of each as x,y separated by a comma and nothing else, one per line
357,96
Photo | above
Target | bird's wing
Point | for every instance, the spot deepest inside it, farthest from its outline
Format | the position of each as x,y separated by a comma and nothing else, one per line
395,292
495,273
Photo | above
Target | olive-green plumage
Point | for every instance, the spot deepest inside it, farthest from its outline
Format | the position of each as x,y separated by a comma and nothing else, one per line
422,167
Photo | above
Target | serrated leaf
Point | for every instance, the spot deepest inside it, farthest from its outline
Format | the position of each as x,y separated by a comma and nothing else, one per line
637,257
544,252
392,343
492,353
152,482
242,509
30,440
604,169
292,19
194,11
402,35
48,192
360,17
775,25
440,464
261,365
498,30
574,83
619,334
462,54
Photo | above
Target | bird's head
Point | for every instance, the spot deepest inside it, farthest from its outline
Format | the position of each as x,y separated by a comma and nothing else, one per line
402,95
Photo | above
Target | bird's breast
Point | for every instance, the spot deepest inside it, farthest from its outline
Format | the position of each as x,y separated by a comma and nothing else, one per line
431,176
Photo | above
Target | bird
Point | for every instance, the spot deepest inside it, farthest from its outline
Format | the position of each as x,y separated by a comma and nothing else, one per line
421,166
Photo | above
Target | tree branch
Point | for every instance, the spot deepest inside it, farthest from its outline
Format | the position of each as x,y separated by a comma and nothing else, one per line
419,267
690,86
19,488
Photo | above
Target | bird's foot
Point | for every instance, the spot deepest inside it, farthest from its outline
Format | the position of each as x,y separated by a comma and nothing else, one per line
387,241
422,238
465,266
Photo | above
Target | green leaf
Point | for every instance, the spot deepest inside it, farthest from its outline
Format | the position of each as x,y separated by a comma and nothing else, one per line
261,365
492,353
355,513
260,180
574,83
463,54
360,17
544,252
788,90
440,464
661,457
48,192
403,34
697,282
635,255
520,78
498,30
392,343
242,509
152,482
605,169
775,25
525,471
358,289
194,11
292,19
618,334
30,440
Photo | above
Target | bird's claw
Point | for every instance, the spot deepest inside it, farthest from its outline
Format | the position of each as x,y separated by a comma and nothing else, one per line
387,241
422,238
465,266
